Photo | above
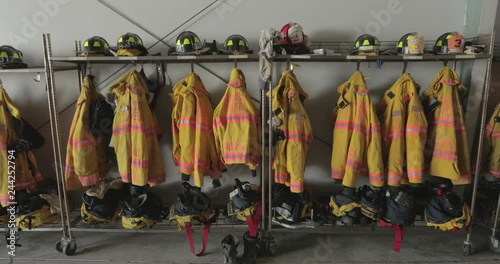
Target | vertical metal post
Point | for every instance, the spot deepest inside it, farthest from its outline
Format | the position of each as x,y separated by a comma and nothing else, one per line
56,137
484,99
497,212
263,156
79,71
270,175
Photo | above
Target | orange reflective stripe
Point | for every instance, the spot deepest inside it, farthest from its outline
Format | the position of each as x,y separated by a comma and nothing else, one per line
139,163
296,187
448,155
298,137
280,178
354,164
416,130
235,118
134,89
352,126
376,177
236,84
82,142
338,174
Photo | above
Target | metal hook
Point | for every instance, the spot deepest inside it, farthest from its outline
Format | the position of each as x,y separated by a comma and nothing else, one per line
37,79
293,65
235,63
445,63
192,67
89,67
358,63
454,64
1,82
404,67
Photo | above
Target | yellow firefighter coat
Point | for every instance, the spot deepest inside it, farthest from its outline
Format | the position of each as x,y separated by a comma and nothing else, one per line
86,162
492,143
291,153
19,171
237,125
404,132
447,147
135,133
356,135
193,138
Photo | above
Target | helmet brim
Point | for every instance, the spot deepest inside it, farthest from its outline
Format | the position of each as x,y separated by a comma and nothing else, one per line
227,52
198,52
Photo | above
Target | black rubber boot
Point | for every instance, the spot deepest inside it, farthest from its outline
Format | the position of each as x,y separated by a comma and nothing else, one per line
250,253
229,249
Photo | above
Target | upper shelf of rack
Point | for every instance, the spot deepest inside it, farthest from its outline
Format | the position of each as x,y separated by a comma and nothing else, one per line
243,58
36,69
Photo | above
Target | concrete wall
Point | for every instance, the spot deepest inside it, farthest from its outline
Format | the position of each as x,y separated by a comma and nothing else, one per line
69,20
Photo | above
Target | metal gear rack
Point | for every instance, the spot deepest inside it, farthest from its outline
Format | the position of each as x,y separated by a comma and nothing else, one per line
38,70
67,243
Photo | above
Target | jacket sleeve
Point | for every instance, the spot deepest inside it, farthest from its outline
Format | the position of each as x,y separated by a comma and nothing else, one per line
82,146
187,134
374,153
140,155
299,138
176,113
416,135
219,129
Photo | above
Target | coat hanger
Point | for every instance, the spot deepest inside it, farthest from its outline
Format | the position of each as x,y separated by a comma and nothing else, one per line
192,67
235,63
358,64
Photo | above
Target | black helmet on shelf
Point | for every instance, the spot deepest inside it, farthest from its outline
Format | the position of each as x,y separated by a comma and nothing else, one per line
96,46
11,58
411,43
236,44
188,43
450,42
366,44
130,44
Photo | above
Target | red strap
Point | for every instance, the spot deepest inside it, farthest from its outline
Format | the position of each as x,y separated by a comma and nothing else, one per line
398,234
398,237
206,229
253,222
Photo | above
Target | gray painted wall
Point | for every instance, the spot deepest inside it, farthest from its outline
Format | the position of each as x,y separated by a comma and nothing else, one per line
69,20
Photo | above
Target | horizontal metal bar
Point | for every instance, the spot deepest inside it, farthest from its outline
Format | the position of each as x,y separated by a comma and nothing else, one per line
248,58
40,69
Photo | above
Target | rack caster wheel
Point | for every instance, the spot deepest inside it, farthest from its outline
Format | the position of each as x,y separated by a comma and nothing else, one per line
70,248
271,250
494,244
467,249
59,246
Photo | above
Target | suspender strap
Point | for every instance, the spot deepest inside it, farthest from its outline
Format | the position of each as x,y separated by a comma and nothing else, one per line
254,221
206,229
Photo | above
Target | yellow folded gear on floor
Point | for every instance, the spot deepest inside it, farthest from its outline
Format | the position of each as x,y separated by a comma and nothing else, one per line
242,215
344,209
138,222
36,218
454,224
89,218
195,219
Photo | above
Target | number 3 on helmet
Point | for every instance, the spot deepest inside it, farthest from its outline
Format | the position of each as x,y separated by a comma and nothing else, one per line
451,42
